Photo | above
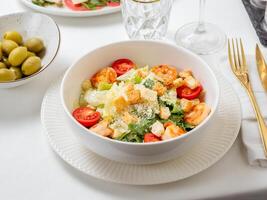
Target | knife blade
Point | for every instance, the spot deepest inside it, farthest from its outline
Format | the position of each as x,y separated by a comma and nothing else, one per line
262,68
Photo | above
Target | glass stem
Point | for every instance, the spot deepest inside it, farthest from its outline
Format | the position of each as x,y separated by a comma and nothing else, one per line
201,22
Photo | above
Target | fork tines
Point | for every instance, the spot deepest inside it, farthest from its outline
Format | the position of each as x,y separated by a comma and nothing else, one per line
236,56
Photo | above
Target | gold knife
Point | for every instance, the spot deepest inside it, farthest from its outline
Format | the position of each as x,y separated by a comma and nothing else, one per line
262,68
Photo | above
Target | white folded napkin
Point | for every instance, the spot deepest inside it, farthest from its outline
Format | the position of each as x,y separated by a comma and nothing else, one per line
249,130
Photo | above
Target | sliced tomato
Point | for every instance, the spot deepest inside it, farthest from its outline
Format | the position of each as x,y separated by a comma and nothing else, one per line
86,116
113,4
76,7
122,66
187,93
150,137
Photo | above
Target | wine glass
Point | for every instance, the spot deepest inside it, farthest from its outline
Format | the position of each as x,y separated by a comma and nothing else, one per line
264,21
201,37
258,3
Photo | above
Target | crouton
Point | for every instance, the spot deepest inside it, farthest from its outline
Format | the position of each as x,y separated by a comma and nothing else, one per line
159,88
120,104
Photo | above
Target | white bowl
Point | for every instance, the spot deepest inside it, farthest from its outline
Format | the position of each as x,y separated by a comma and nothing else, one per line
141,52
32,25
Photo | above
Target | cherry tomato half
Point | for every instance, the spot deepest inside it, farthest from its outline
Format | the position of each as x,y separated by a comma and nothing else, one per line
86,116
187,93
150,137
72,6
122,66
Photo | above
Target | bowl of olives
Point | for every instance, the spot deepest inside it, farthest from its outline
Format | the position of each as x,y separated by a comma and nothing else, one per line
29,42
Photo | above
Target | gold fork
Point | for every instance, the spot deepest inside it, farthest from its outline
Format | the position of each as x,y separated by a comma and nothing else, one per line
238,64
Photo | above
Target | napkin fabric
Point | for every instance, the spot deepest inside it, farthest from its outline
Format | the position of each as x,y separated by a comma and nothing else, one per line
249,130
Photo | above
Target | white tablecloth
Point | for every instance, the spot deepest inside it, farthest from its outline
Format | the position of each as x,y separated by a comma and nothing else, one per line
30,170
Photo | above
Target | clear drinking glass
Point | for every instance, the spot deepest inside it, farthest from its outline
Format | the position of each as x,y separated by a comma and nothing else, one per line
146,19
201,37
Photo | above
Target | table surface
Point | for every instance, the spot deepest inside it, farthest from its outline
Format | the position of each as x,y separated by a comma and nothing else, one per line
29,169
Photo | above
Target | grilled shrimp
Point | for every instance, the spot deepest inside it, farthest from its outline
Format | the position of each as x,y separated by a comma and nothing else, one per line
172,131
198,114
107,75
166,73
101,128
188,105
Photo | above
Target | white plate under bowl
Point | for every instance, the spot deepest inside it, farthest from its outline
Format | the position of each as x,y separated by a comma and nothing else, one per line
211,148
53,10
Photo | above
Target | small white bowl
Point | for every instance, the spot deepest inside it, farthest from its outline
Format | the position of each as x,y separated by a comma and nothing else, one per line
32,25
141,52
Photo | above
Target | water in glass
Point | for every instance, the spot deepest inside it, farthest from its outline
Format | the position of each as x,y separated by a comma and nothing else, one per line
146,19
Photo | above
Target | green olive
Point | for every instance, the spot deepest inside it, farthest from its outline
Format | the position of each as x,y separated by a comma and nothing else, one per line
5,61
14,36
29,54
2,65
17,56
7,75
1,52
17,72
82,101
34,44
8,46
31,65
86,85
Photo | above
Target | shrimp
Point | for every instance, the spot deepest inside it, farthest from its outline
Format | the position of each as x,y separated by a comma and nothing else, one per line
188,105
166,73
107,75
172,131
198,114
101,128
